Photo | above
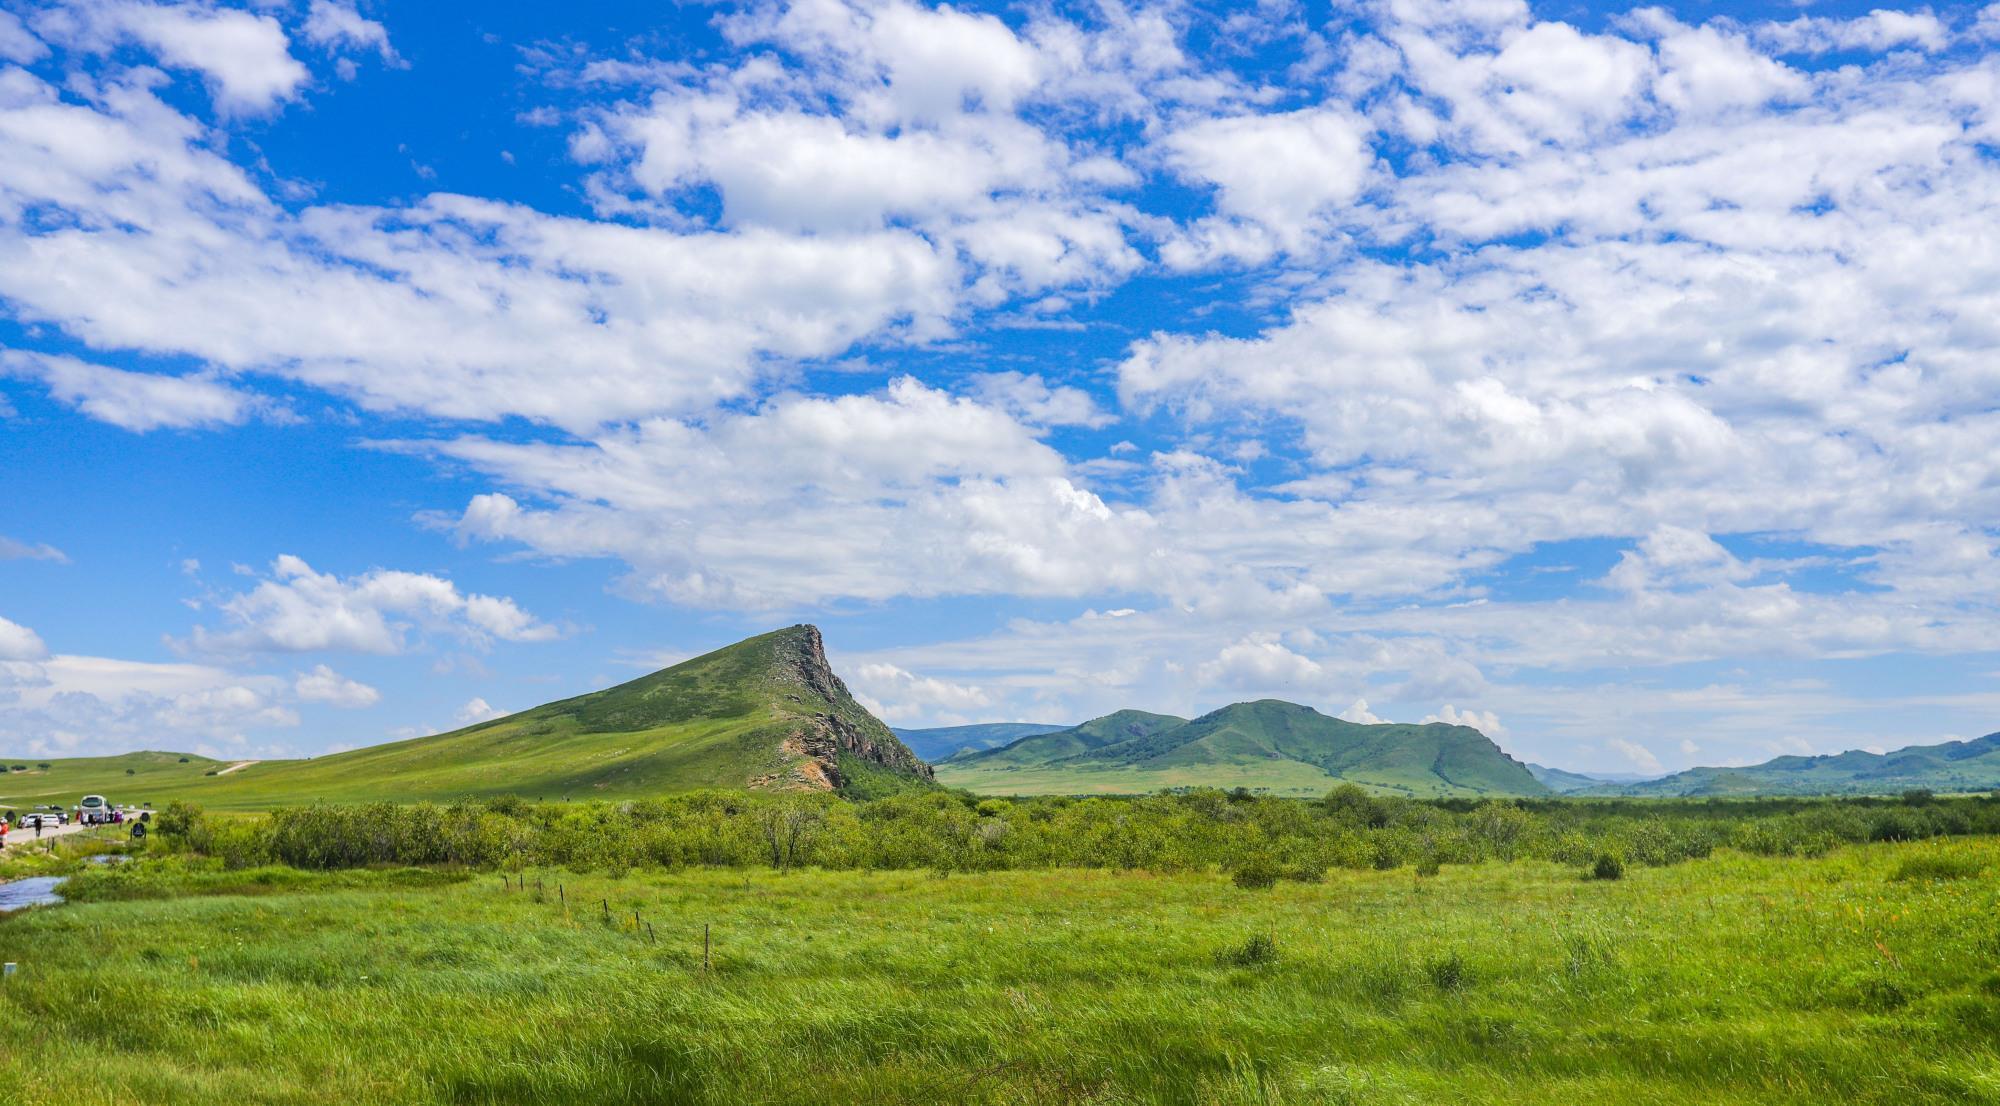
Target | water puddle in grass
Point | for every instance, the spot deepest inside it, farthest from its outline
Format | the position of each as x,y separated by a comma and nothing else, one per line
35,891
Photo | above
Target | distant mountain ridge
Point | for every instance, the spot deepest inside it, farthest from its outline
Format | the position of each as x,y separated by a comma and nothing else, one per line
767,713
1949,766
1268,745
944,742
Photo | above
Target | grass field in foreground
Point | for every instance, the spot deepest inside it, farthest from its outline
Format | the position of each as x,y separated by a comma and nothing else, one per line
1733,979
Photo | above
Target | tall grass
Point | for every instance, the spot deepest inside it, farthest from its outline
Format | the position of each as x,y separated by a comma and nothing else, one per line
1731,979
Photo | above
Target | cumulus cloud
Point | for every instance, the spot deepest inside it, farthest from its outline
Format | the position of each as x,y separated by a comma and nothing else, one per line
910,492
18,643
331,24
299,610
245,57
17,43
1636,754
66,705
1260,661
135,401
476,711
1359,713
1485,721
898,695
324,685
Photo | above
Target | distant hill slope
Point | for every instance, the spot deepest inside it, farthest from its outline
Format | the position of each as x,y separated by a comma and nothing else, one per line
126,778
1952,766
942,742
1268,744
766,713
1564,782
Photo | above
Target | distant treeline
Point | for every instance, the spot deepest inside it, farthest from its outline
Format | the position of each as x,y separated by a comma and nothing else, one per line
950,831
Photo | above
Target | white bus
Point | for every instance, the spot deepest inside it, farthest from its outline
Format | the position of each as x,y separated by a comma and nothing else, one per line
95,810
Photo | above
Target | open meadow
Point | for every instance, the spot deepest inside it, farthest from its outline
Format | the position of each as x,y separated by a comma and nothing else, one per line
1868,974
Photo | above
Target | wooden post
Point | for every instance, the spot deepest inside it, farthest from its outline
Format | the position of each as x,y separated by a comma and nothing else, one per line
607,908
561,895
650,939
704,946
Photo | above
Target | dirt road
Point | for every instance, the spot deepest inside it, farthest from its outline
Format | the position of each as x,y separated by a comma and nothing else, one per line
19,837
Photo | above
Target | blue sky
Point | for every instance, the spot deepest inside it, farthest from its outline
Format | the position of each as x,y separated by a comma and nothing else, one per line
1618,380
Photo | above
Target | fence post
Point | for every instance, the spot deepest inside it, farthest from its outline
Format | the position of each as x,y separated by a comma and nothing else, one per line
607,908
704,946
561,895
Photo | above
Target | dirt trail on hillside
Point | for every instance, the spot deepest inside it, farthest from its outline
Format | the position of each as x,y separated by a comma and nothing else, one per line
234,767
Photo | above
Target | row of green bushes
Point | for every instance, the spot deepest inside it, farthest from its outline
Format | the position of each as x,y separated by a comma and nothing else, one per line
956,832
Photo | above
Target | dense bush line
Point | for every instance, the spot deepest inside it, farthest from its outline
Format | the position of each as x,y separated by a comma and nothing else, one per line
1260,839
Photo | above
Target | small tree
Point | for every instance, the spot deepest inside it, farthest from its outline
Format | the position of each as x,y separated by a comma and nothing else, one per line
1608,866
787,826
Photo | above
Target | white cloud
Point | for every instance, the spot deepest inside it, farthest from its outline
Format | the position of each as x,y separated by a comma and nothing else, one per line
17,43
476,711
14,550
899,695
67,705
324,685
1485,722
245,57
1034,401
1279,171
330,23
18,643
134,401
912,492
1638,755
1877,31
299,610
1359,713
1259,662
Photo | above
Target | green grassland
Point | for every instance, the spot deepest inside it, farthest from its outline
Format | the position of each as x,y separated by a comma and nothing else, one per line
1864,976
1266,745
128,778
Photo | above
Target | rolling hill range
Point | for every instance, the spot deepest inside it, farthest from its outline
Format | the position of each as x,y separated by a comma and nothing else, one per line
1952,766
1270,745
767,713
945,742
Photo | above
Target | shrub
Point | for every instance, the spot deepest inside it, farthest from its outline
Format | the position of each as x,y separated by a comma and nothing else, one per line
184,760
1448,972
1255,952
1938,866
1608,866
1257,873
131,772
1430,865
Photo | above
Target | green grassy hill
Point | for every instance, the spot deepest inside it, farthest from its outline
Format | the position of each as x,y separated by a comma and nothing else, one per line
766,713
943,742
1270,745
1954,766
132,778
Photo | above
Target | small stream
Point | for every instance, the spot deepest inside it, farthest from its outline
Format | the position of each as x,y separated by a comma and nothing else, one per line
33,891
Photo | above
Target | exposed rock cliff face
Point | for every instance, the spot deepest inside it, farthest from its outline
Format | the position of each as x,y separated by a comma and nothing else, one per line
829,723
